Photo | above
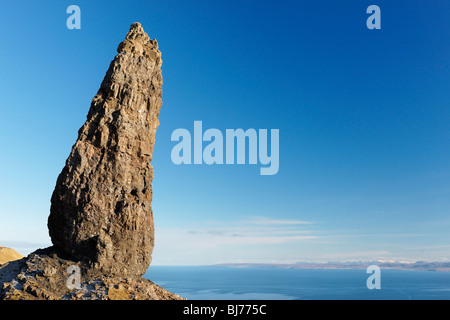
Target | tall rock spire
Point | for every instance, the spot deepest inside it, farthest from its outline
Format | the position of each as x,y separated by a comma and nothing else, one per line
101,206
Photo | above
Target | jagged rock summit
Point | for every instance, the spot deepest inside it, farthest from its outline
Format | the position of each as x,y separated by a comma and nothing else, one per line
101,205
101,221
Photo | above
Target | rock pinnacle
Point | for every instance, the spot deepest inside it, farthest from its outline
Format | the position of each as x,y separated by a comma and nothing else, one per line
101,206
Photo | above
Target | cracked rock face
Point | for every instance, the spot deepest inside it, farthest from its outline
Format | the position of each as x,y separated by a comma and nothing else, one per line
101,206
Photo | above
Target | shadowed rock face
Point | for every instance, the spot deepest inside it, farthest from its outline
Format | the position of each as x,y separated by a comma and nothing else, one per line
101,206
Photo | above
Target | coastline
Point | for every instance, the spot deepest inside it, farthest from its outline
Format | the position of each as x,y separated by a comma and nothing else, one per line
412,266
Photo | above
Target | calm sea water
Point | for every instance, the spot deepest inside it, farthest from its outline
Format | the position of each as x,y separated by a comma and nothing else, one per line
224,283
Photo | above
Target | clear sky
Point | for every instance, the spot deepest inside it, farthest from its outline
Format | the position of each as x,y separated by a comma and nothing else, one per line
363,118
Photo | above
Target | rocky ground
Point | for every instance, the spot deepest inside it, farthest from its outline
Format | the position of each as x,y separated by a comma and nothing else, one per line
43,275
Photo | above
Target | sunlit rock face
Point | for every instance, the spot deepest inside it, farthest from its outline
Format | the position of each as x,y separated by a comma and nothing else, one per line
101,206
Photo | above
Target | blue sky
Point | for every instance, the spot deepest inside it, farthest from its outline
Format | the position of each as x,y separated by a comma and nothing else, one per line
363,117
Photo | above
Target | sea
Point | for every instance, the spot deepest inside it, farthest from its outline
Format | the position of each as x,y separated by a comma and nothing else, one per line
269,283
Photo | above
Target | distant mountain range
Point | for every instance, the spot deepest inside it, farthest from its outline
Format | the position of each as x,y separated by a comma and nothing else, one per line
418,265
